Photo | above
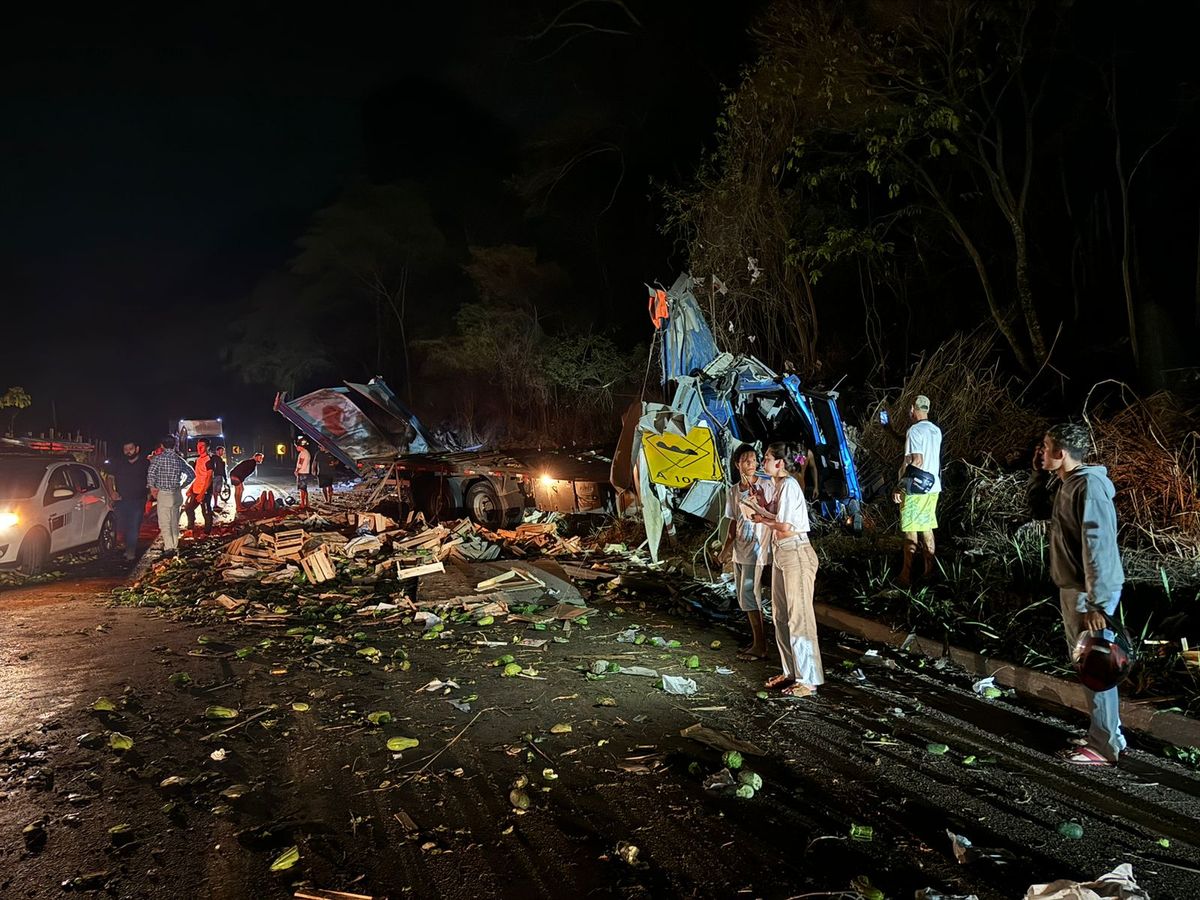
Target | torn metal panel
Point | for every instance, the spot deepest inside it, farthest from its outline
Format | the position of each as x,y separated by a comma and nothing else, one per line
688,344
705,500
652,509
330,416
658,418
393,418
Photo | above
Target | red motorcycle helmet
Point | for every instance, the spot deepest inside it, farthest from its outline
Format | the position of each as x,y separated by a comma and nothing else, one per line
1102,659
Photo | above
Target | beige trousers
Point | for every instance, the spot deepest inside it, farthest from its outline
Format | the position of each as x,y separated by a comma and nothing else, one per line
793,580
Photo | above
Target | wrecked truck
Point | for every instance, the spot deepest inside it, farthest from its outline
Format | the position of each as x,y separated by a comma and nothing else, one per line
368,429
675,456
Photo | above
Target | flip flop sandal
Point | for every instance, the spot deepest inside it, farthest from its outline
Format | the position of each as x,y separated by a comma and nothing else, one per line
746,655
779,682
1084,756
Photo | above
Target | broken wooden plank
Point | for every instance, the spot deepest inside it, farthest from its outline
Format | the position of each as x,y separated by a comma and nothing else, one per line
566,611
513,579
534,529
584,573
417,571
318,894
480,604
428,538
448,547
719,740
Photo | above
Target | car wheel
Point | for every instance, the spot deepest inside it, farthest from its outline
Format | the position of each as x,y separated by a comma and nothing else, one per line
483,505
107,542
34,552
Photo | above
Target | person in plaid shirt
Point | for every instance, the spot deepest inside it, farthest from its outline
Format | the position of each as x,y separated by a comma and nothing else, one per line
168,473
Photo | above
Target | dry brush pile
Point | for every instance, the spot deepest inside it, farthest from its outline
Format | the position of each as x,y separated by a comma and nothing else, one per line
1150,446
980,415
1150,449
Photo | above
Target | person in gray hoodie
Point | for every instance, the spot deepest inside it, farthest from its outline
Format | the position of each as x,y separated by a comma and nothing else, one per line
1085,565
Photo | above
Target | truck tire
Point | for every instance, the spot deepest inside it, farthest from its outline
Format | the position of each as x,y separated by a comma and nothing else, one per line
483,505
34,552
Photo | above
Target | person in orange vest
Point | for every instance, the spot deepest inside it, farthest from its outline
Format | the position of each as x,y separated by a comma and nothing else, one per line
199,492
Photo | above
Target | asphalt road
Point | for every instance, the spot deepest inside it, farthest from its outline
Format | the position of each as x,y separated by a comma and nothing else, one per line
617,804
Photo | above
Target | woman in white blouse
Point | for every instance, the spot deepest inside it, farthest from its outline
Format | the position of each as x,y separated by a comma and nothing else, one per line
793,574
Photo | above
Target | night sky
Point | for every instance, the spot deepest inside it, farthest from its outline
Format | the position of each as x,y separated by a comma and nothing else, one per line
156,169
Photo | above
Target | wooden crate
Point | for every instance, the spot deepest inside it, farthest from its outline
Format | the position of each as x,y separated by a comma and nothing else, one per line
283,544
317,566
376,522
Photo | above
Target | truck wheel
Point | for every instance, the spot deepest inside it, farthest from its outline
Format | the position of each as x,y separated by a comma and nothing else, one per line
34,552
483,505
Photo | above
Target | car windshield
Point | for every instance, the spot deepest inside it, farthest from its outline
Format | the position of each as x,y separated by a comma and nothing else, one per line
19,478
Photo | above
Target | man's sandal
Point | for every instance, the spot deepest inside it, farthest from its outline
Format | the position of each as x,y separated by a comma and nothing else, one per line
778,682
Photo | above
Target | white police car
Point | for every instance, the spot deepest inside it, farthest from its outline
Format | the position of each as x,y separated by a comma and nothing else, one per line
50,506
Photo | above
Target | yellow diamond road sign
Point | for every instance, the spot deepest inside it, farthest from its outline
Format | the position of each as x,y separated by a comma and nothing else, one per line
678,462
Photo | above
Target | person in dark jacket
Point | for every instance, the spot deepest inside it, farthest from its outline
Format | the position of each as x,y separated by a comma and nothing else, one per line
1085,565
129,495
329,472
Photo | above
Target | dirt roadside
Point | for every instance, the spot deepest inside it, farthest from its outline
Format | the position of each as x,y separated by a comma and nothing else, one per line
438,821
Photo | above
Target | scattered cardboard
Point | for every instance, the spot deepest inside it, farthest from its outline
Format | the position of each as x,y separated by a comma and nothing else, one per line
228,603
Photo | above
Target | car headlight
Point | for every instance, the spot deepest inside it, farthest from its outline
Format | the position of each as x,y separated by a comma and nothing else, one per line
8,520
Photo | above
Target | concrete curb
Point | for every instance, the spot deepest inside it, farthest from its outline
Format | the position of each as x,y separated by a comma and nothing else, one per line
1136,715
